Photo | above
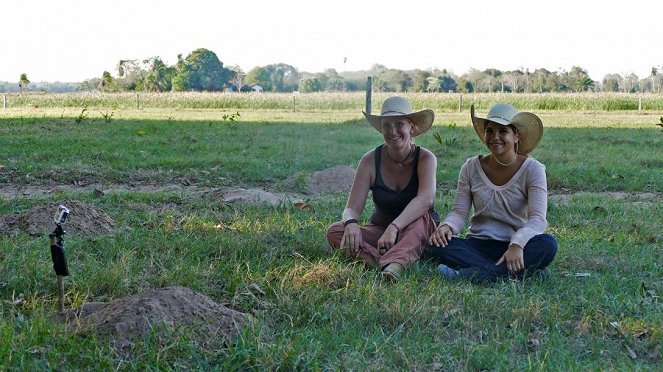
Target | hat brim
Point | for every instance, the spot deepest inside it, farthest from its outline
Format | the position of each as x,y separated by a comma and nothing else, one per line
530,129
422,120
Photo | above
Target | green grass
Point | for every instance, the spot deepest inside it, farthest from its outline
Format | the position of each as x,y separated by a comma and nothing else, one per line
320,311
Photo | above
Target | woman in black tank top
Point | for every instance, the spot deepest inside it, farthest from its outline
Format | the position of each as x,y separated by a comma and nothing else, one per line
401,177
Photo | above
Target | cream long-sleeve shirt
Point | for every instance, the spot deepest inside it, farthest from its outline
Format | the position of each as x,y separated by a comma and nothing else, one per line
514,212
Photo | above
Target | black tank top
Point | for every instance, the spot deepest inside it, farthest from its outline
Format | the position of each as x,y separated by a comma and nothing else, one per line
390,203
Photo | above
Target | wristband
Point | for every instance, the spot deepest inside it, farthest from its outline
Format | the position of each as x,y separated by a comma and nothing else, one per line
398,229
349,221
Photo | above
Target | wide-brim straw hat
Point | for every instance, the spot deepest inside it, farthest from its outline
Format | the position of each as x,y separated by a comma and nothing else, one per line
530,127
395,107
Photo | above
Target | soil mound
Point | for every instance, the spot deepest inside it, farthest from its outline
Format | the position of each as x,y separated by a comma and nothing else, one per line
330,180
84,219
254,195
158,312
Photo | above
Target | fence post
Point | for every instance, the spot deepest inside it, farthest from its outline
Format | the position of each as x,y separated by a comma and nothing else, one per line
4,101
294,104
369,90
639,103
137,102
460,102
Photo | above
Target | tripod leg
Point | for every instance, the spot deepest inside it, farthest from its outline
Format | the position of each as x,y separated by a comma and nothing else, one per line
60,294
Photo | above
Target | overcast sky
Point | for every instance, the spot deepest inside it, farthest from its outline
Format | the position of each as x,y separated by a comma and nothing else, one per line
73,40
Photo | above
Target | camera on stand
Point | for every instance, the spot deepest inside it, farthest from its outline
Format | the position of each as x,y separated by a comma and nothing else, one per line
61,215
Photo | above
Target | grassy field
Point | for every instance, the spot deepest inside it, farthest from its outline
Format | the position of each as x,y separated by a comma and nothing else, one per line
600,310
331,101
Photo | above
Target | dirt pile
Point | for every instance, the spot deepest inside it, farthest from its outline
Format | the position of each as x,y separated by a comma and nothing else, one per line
253,195
331,180
158,312
84,219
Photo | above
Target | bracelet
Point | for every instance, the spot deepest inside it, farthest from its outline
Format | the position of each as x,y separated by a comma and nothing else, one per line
349,221
398,229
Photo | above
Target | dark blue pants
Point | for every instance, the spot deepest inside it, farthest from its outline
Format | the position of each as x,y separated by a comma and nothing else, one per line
475,258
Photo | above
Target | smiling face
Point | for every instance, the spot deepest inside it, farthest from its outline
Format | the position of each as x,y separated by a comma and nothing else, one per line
500,139
397,131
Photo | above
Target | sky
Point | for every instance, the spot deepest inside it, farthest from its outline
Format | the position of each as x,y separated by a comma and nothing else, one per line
74,40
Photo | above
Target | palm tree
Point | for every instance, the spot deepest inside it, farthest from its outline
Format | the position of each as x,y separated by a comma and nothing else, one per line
654,71
23,82
583,84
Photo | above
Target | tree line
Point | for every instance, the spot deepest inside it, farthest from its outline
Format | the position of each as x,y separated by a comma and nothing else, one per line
202,70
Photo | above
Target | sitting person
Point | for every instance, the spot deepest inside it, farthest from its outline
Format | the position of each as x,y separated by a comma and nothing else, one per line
507,190
401,177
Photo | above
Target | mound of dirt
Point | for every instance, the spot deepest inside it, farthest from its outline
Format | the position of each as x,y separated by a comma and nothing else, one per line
84,219
164,311
253,195
331,180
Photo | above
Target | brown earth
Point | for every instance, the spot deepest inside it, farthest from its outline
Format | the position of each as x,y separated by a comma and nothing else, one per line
331,180
84,219
159,312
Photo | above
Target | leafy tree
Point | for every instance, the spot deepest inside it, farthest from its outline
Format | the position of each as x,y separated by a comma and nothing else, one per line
538,80
611,82
284,78
447,83
631,84
444,83
205,72
89,85
181,76
260,76
393,80
420,81
310,84
23,82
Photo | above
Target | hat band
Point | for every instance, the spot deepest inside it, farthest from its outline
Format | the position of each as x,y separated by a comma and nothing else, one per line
394,112
499,117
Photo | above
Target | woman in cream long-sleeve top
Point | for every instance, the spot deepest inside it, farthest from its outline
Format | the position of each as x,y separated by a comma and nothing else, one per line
508,192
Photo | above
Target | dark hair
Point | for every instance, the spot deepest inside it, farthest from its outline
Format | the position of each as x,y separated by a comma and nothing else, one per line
513,127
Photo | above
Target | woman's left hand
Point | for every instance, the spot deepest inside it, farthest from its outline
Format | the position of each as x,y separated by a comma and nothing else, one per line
514,258
388,239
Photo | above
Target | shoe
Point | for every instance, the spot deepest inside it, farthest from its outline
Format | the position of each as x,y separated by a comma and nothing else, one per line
541,274
447,272
393,271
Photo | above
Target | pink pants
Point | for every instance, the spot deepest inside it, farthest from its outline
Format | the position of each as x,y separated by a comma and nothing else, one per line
409,245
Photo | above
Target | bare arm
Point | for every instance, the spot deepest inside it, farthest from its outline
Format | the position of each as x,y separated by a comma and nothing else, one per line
361,183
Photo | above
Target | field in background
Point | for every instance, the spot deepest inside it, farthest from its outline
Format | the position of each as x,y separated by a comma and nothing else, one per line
334,101
601,308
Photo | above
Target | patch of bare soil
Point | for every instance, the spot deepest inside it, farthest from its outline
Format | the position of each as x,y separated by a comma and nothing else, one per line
84,219
159,312
254,195
331,180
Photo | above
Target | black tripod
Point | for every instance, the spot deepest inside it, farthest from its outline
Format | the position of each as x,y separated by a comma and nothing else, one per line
59,261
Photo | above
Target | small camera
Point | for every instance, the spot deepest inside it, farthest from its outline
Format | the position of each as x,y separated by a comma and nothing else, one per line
61,215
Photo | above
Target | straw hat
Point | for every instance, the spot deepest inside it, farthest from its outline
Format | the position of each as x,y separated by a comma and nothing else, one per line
530,127
399,107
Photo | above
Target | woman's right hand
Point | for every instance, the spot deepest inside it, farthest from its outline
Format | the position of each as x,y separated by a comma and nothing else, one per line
352,238
441,236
